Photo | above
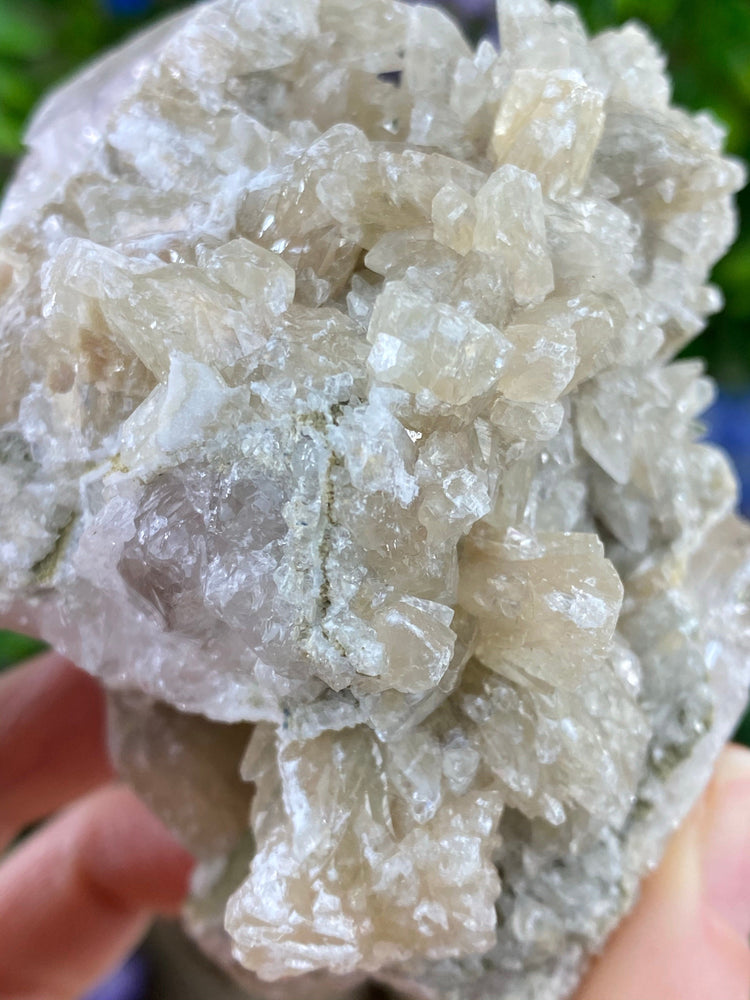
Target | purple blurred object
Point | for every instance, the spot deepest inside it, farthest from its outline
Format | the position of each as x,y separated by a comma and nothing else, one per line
473,8
479,17
130,982
128,8
728,423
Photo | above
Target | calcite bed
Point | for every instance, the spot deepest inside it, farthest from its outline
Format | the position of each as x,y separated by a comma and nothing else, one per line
338,398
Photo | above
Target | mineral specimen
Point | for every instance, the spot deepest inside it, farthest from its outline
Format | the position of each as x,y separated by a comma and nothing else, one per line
338,398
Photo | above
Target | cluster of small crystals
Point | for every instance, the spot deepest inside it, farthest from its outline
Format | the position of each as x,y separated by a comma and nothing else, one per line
337,398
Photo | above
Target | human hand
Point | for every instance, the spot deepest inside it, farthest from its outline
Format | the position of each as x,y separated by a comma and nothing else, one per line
77,895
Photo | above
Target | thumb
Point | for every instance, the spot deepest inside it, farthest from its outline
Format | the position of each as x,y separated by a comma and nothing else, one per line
687,938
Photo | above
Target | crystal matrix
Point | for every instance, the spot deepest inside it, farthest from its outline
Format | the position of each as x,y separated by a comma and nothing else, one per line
338,398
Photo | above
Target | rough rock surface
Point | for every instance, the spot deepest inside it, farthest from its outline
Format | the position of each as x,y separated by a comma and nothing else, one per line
338,397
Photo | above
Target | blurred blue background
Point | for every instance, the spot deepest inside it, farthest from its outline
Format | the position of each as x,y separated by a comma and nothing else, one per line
708,45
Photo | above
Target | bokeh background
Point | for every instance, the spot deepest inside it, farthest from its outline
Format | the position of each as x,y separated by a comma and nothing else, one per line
708,48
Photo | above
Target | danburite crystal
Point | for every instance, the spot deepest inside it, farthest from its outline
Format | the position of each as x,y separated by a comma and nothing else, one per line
338,397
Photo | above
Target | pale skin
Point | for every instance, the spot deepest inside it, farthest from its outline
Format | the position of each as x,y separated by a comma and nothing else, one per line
79,893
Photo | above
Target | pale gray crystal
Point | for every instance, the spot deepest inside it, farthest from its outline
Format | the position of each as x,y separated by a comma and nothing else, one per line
338,398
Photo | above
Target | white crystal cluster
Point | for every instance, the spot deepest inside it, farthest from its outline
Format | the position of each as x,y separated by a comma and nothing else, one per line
337,398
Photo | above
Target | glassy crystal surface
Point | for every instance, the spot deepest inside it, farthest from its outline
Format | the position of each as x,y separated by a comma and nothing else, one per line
341,437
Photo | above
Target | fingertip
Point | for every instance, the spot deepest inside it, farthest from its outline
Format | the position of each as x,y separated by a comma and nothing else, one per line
127,851
77,895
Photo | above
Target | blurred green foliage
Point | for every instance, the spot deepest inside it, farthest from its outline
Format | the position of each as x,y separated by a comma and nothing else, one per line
43,41
708,48
15,647
742,735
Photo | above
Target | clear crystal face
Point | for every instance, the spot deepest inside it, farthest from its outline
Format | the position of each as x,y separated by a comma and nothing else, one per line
341,436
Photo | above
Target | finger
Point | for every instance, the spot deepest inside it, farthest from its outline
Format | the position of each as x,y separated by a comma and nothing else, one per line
726,848
687,937
76,897
52,740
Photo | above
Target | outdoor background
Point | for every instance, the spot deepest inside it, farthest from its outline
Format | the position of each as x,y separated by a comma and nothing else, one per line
708,44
